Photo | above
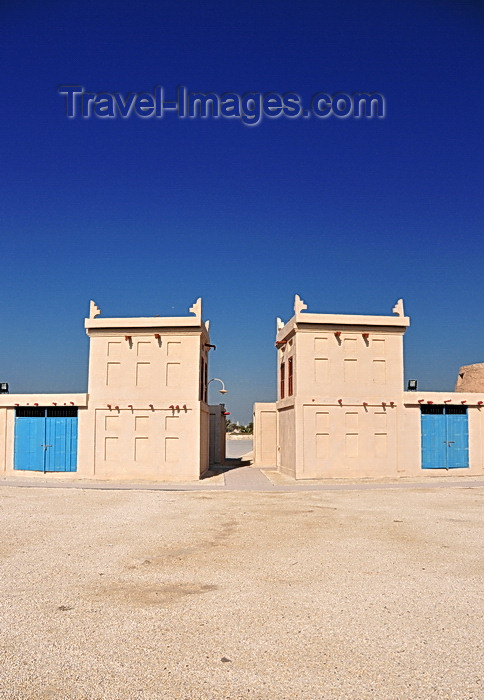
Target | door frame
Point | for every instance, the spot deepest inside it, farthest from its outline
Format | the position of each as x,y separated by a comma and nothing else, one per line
438,433
46,439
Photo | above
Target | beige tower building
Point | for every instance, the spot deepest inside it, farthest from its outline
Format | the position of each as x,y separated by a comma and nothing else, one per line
342,410
148,396
145,415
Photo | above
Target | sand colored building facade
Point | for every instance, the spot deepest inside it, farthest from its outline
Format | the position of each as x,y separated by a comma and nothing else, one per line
342,411
145,415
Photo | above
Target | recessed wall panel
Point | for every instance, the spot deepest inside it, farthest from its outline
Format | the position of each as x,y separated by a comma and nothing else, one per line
114,349
143,374
111,424
378,347
351,420
350,371
173,374
113,374
322,422
350,346
381,444
320,346
143,348
379,371
141,424
111,448
141,449
322,446
173,348
171,425
321,370
380,421
172,449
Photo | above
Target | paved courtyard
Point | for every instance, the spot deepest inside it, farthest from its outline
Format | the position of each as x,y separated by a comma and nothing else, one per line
132,594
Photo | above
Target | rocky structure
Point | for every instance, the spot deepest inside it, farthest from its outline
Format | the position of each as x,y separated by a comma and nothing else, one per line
471,378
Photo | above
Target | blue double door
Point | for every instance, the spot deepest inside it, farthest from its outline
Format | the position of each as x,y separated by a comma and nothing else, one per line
46,439
445,437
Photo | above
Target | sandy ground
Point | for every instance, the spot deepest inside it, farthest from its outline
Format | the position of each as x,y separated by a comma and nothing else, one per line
205,595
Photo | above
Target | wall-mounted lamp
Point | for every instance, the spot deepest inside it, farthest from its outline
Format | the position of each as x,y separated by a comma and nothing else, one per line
3,388
412,385
223,390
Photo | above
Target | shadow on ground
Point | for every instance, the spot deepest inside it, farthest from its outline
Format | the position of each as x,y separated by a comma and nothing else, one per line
227,466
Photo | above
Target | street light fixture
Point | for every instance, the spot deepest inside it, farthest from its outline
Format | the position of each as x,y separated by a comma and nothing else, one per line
223,390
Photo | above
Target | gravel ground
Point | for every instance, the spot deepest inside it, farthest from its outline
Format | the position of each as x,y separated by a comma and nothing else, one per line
203,595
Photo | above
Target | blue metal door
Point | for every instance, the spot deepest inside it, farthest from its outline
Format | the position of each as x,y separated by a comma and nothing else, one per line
445,442
457,437
46,439
61,444
29,443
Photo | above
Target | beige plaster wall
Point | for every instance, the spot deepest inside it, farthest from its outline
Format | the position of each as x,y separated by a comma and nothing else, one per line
8,404
144,369
348,415
145,416
348,440
340,419
349,364
287,440
265,434
410,433
155,444
144,391
3,440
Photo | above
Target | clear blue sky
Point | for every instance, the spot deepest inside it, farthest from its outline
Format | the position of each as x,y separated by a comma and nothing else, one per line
145,215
